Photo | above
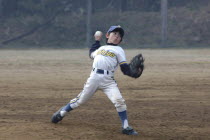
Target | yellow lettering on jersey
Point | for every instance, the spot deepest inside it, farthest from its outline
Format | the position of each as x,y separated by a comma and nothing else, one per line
106,53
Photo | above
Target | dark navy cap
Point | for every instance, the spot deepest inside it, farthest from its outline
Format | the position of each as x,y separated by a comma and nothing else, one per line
116,29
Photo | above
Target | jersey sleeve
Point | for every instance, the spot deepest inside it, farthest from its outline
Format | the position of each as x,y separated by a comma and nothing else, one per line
93,48
93,54
125,68
121,58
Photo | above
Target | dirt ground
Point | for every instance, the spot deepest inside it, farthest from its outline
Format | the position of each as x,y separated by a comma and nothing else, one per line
170,101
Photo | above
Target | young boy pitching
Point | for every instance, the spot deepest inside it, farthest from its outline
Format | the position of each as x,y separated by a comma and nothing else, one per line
105,62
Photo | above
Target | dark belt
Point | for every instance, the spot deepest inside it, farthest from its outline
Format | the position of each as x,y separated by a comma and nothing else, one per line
100,71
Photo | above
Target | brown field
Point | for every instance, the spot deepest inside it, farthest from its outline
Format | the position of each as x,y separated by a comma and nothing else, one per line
170,101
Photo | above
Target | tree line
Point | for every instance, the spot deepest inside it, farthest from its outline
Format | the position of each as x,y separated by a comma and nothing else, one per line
46,7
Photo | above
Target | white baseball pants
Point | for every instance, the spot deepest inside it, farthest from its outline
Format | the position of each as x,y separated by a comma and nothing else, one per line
104,82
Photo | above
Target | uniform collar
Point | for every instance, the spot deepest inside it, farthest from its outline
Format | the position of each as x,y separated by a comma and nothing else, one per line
112,44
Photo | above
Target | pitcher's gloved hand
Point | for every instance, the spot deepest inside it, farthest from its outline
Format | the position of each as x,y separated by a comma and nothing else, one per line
137,65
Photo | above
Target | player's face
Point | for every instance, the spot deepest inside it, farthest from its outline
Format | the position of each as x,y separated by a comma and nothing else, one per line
114,37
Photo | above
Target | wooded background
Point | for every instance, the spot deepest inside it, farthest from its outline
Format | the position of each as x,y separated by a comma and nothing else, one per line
64,23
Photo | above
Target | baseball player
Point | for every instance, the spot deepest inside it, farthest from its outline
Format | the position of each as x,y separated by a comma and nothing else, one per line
105,62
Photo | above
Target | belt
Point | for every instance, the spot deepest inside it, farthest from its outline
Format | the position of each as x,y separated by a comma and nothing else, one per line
100,71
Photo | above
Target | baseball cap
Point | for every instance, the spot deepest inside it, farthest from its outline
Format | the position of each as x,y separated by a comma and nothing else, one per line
116,28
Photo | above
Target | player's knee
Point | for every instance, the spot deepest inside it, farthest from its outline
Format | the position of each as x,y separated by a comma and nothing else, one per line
120,105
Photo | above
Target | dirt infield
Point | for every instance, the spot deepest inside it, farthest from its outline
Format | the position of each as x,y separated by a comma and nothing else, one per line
170,101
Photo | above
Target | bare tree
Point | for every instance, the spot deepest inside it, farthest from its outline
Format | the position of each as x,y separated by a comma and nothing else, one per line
8,7
1,6
122,5
88,27
164,7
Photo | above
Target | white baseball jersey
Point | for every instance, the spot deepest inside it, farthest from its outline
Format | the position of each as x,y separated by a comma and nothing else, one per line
108,57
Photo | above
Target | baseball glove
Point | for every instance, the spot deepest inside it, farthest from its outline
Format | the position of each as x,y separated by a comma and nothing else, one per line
137,66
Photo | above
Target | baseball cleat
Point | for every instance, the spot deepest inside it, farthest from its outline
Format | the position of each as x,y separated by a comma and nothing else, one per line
57,116
129,131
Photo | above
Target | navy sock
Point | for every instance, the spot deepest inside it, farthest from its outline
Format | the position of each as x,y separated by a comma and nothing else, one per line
123,118
67,108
